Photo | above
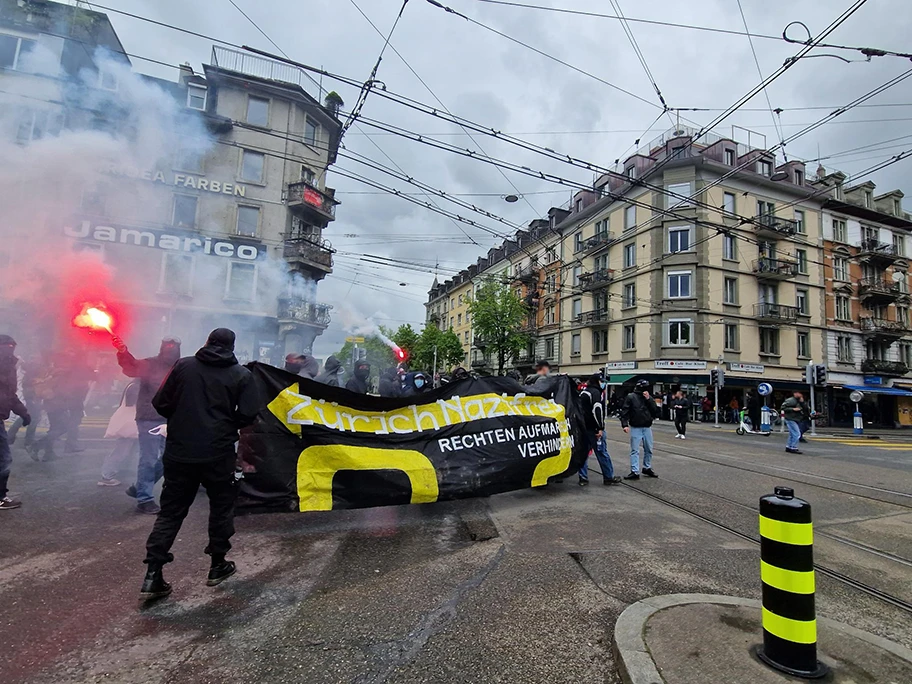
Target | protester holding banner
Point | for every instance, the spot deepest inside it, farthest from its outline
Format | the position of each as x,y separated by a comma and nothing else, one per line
594,417
332,372
637,414
360,380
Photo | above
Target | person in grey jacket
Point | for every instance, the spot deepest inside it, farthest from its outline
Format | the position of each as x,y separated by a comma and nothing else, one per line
332,372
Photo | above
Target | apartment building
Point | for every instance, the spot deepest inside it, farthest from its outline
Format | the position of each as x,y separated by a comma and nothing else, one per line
868,338
225,228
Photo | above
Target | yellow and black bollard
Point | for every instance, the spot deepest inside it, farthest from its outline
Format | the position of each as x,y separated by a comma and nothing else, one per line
787,573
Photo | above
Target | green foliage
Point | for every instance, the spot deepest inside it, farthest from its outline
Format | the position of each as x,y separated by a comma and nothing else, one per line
379,353
449,350
497,314
406,337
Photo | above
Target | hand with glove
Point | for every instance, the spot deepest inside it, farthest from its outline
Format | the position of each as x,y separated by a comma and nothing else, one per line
26,420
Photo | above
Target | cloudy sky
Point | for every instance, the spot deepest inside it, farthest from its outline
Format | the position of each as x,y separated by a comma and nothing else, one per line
487,78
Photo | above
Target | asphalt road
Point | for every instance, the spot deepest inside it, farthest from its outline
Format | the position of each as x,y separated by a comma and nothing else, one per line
410,594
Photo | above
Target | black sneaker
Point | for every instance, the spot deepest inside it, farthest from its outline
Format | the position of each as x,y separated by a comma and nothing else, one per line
649,472
131,491
8,504
612,481
154,586
583,482
148,507
632,476
793,451
802,440
219,573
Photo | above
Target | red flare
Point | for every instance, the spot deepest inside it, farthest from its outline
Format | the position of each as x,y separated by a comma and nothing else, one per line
94,317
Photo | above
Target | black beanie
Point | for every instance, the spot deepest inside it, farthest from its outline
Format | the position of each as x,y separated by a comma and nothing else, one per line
221,337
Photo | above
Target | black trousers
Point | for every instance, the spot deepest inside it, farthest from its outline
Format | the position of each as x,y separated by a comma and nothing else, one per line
681,425
182,482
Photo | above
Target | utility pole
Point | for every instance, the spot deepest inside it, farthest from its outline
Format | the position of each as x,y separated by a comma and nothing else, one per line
434,378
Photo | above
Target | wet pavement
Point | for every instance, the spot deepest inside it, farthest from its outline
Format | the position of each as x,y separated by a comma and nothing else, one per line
413,593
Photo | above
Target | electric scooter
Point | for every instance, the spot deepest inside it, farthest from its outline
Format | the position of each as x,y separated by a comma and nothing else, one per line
745,427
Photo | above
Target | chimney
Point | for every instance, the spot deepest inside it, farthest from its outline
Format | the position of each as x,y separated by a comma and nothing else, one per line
186,71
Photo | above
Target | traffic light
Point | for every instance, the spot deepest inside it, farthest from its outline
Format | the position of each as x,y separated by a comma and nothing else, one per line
721,377
717,377
820,374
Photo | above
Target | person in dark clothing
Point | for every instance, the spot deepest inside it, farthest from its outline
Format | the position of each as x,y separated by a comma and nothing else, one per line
9,403
753,410
302,364
514,374
594,417
459,373
680,408
294,363
332,372
62,389
206,399
151,373
390,384
706,409
32,369
637,413
415,383
360,379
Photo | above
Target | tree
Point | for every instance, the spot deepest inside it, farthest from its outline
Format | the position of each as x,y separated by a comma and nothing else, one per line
405,337
449,349
497,314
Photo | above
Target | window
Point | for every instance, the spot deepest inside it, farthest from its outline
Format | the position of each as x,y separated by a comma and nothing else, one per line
252,164
549,348
729,247
577,309
107,80
902,315
630,172
802,256
551,283
184,211
579,205
840,268
899,245
311,132
765,168
839,230
36,124
680,332
730,291
468,316
248,221
189,157
731,336
601,263
802,303
799,222
678,239
630,220
728,203
257,111
307,175
599,341
550,315
905,353
678,189
577,272
799,177
844,349
678,151
176,274
465,337
868,199
14,51
197,97
765,208
241,282
897,207
769,341
843,308
575,345
630,295
578,242
630,255
451,322
869,234
804,345
730,157
459,319
679,284
629,337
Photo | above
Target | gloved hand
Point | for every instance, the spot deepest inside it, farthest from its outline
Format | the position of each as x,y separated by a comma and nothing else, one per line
118,344
26,420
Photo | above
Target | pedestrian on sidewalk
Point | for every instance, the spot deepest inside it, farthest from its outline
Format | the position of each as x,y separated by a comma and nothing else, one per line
121,428
706,407
637,414
594,416
206,399
680,406
9,402
150,372
795,411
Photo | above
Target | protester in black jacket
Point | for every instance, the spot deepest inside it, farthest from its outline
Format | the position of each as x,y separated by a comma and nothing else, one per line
390,384
591,399
9,402
415,383
360,379
637,413
206,398
332,372
680,408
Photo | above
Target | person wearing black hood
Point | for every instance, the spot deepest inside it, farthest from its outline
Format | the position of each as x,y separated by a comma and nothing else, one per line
9,402
415,383
360,379
206,399
302,364
151,373
390,384
332,372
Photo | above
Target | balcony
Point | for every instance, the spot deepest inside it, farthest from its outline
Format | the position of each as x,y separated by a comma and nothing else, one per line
775,313
878,291
528,274
308,313
774,269
884,367
883,328
479,362
596,317
876,252
767,225
315,252
596,279
596,242
304,195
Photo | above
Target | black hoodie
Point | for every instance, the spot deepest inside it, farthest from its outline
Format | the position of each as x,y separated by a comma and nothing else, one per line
332,372
206,399
360,379
390,384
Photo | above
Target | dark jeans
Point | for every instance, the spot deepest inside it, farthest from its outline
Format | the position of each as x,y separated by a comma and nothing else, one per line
59,418
681,425
182,482
6,460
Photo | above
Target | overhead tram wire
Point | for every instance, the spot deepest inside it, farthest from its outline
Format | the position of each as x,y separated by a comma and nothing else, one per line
760,72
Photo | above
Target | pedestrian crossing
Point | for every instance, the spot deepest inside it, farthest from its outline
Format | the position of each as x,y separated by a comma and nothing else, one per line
886,445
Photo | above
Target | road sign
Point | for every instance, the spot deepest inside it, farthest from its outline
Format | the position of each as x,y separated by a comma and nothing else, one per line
355,340
856,396
764,389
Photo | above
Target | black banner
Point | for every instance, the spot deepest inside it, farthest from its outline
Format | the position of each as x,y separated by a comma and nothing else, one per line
318,448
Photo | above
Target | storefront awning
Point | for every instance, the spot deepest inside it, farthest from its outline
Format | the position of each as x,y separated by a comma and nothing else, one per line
867,389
